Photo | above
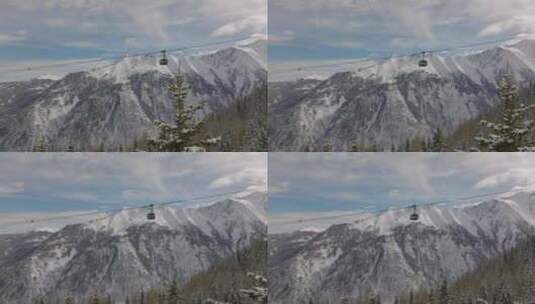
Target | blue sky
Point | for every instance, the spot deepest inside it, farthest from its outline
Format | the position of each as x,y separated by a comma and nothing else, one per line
38,31
67,182
336,182
336,29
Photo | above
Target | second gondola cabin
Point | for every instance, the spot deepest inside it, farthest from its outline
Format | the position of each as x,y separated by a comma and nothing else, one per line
423,62
414,215
163,60
151,216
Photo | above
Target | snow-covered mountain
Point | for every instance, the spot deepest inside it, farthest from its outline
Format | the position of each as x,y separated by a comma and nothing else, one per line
125,253
389,255
116,103
385,104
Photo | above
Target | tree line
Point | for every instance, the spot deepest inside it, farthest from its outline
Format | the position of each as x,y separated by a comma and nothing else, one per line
238,279
508,278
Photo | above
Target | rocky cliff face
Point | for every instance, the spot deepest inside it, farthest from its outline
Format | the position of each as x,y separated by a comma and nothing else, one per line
116,103
390,255
125,253
395,100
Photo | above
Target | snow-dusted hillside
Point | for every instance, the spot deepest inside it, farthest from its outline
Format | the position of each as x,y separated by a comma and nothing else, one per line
117,103
390,255
385,104
125,252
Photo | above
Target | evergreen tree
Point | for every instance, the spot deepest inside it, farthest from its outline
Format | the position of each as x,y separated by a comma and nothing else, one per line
161,298
431,299
95,300
444,297
180,136
258,136
511,134
135,146
504,296
528,284
40,145
173,296
259,292
438,141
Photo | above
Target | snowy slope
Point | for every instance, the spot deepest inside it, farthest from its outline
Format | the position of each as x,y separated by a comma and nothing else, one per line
387,103
116,103
126,253
389,254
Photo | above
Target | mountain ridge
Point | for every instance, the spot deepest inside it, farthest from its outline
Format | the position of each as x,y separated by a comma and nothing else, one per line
386,257
117,104
115,258
395,101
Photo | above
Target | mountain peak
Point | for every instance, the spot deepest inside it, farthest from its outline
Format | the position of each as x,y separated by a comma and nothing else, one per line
249,205
391,254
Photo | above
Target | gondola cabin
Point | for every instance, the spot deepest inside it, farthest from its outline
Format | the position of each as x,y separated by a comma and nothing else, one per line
151,216
163,60
414,215
423,62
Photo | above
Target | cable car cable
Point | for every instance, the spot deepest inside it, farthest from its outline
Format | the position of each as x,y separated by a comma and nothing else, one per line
378,212
83,214
102,59
381,59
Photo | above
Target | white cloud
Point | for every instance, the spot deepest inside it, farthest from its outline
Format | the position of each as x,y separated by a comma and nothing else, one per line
122,25
279,188
253,176
516,24
518,177
397,26
382,180
287,35
13,37
107,178
255,23
8,188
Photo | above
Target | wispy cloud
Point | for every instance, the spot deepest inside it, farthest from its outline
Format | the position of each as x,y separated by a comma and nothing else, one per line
399,26
81,181
11,188
70,27
322,182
